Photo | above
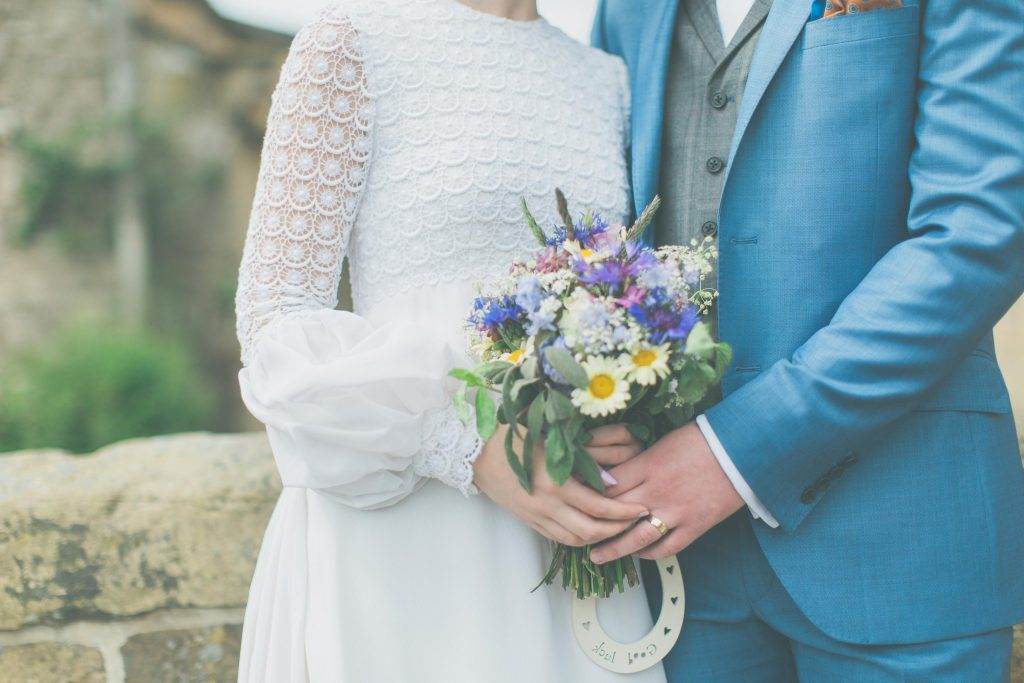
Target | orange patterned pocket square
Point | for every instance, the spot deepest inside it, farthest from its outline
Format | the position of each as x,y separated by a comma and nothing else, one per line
835,8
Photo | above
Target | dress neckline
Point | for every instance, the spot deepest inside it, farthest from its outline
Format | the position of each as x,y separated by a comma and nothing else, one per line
495,19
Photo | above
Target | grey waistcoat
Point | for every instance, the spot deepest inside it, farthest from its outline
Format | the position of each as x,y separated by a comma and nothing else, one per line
705,82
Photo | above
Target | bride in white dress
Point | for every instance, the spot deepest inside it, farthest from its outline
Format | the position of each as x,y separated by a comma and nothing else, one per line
401,136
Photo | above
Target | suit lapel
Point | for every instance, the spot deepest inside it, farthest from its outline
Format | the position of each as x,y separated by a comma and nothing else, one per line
649,101
784,23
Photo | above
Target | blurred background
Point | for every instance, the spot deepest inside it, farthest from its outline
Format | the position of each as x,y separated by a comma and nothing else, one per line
130,133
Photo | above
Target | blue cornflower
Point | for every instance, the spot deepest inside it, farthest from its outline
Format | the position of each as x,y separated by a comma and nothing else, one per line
666,323
584,234
490,313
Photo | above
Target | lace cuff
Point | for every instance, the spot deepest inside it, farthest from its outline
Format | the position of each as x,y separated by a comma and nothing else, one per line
449,449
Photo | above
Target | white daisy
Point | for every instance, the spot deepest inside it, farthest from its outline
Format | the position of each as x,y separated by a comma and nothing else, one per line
607,391
646,364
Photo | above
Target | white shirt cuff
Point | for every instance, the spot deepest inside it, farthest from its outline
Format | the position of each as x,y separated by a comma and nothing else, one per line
757,509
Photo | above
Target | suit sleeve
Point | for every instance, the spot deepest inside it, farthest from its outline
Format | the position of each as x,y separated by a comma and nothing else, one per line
598,37
932,297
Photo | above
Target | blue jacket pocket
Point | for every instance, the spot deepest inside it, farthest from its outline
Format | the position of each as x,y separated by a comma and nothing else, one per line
877,25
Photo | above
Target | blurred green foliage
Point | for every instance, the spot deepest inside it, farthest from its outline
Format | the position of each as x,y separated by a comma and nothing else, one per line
67,191
95,385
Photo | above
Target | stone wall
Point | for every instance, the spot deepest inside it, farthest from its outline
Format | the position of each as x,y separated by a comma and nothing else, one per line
132,564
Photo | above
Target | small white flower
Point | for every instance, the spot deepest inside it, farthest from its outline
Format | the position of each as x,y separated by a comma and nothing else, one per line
607,391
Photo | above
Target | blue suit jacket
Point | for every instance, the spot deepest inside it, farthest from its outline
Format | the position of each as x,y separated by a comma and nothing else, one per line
871,234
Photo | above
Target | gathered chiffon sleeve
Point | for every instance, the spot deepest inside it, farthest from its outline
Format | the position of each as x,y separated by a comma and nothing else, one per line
357,411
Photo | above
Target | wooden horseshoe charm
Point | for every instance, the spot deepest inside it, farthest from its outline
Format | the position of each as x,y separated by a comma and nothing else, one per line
625,658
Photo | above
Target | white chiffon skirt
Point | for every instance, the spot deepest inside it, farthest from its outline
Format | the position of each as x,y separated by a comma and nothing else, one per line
435,589
428,587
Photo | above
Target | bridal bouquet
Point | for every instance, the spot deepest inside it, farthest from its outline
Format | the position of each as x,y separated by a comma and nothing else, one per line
596,328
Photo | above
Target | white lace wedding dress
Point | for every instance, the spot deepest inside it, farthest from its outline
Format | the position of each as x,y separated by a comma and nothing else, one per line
402,135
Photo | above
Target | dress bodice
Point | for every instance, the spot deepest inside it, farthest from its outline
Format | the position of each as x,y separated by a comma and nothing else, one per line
472,112
404,133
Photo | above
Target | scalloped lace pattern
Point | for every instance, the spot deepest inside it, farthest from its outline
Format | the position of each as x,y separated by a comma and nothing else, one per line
402,135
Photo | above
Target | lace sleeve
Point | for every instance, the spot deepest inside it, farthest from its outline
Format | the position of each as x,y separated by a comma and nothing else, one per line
315,159
321,379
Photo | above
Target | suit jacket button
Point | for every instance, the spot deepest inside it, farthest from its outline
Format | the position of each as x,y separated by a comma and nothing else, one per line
715,164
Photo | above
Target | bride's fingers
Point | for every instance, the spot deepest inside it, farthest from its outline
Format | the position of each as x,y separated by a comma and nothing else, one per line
628,476
586,528
592,503
611,435
610,456
634,540
552,530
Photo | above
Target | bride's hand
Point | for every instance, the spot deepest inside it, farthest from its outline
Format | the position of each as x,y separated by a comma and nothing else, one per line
572,514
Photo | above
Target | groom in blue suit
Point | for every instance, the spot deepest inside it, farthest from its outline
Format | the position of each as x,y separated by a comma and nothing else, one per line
853,507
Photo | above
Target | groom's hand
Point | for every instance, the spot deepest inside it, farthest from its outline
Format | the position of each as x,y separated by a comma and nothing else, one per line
680,481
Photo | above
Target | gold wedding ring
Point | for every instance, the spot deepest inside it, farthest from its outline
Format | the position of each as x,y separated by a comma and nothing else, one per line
658,524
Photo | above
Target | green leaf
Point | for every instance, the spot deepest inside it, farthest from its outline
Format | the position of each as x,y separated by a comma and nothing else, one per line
563,363
494,371
535,416
585,466
519,385
723,358
534,429
469,377
559,407
699,342
573,428
529,368
640,432
461,404
558,456
692,383
486,415
679,416
507,404
709,373
514,462
531,222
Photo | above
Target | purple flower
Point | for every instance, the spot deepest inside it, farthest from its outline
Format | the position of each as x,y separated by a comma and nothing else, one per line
666,323
634,295
585,234
611,272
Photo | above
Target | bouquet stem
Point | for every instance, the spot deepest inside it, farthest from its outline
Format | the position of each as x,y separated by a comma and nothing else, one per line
587,579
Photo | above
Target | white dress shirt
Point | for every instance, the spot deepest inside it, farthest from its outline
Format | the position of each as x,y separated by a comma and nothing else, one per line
731,14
